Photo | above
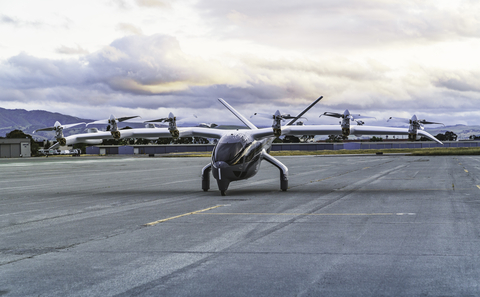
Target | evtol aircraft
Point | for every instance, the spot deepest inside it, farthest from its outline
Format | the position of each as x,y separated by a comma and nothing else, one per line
238,153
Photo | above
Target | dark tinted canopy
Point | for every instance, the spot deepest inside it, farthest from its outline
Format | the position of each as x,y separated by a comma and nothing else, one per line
229,147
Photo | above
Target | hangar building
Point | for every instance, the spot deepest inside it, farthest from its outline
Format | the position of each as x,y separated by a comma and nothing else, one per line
14,147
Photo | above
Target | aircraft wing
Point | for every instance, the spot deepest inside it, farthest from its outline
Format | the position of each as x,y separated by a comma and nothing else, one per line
90,138
312,130
429,136
260,133
376,130
354,130
165,133
201,132
78,138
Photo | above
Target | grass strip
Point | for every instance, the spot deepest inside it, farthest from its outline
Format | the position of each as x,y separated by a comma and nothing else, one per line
438,151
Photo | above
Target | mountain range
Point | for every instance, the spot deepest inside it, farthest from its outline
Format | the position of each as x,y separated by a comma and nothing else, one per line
29,121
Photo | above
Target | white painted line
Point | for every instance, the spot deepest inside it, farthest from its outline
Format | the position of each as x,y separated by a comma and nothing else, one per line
182,215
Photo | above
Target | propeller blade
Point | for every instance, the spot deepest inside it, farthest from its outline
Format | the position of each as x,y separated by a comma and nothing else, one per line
72,125
293,117
304,111
170,118
45,129
428,123
126,118
98,122
59,126
157,120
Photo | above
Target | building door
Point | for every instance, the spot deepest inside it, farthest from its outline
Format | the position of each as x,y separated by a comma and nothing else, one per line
25,149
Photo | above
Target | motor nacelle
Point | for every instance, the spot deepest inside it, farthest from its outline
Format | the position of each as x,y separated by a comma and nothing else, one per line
277,131
174,132
62,141
116,134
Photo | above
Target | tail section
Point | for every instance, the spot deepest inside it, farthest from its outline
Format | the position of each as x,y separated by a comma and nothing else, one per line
238,115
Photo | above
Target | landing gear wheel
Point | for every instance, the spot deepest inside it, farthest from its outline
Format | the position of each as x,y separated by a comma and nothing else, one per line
284,190
205,190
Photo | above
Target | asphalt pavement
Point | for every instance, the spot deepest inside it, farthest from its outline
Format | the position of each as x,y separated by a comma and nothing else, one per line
139,226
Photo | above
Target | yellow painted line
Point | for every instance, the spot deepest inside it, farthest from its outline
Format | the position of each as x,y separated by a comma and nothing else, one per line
478,187
182,215
297,214
466,170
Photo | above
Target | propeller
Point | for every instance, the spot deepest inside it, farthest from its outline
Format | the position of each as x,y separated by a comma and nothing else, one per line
113,124
414,119
171,118
112,120
346,117
277,118
58,128
172,124
415,124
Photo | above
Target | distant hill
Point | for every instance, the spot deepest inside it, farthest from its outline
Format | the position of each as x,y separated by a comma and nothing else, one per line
28,121
462,131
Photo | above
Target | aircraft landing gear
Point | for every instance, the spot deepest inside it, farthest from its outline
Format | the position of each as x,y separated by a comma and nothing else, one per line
206,177
223,193
283,170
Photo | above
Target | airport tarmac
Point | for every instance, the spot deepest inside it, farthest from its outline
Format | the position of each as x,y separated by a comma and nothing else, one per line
347,226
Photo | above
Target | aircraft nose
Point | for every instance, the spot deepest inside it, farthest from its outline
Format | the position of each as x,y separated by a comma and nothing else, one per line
220,164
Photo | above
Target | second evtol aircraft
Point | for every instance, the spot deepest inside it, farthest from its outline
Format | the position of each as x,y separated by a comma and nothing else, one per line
238,153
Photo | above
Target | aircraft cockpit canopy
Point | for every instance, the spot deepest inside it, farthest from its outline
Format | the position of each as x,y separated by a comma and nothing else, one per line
229,148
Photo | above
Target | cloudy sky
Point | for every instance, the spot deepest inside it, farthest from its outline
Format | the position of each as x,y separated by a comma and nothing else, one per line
379,58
